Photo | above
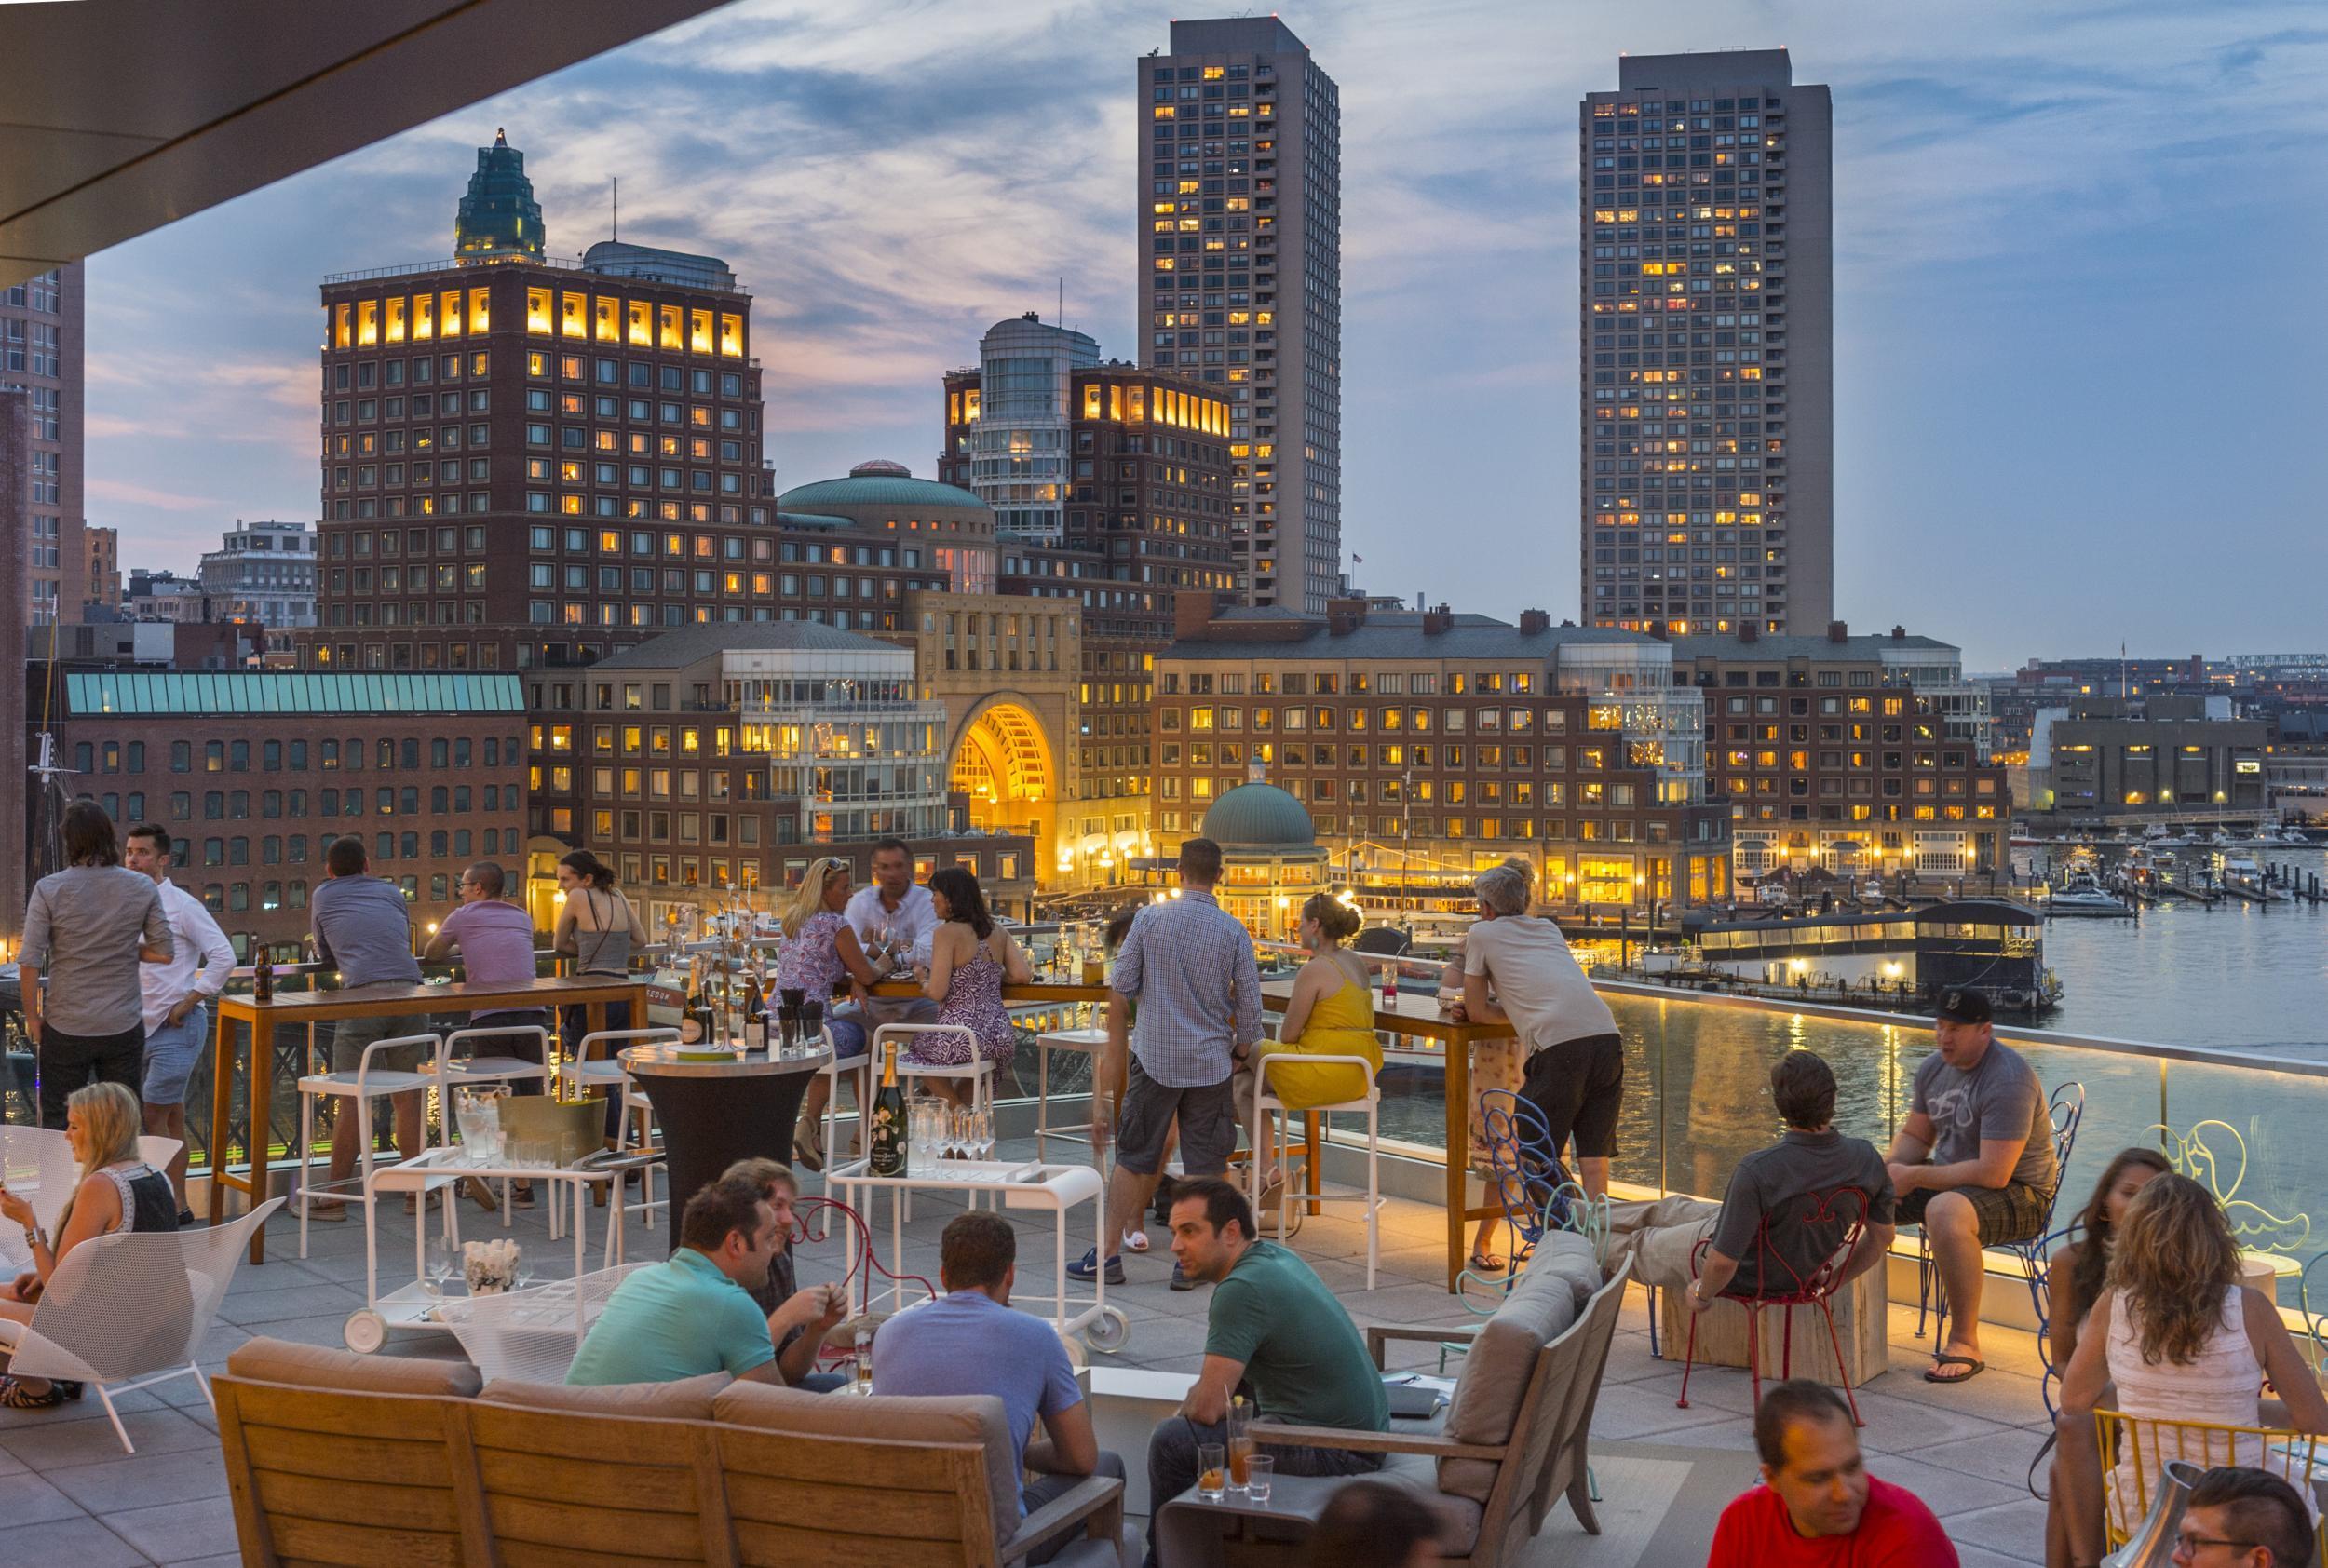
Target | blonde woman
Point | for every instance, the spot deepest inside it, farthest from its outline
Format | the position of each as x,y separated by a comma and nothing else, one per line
118,1191
1331,1013
821,950
2182,1340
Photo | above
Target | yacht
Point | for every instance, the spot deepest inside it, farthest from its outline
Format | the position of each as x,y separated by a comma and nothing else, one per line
2081,893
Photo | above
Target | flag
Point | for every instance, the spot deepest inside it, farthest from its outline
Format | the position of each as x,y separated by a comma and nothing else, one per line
1358,560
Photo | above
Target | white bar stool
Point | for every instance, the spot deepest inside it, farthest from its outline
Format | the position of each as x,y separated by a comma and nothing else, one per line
1264,1103
362,1086
1084,1042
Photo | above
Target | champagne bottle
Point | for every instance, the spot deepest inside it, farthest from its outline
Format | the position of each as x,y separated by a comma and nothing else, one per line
755,1016
695,1017
889,1121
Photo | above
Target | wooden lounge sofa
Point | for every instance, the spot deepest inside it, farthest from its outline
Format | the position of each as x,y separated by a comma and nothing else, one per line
386,1463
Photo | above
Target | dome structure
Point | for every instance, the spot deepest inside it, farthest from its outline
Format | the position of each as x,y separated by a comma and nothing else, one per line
498,220
1260,816
878,484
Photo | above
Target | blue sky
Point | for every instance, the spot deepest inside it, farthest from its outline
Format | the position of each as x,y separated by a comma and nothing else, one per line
2079,313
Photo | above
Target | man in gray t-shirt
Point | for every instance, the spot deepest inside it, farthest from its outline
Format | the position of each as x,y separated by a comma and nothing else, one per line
1972,1163
363,929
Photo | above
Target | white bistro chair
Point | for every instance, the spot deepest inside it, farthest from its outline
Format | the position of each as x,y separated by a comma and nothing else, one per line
128,1310
595,1065
1264,1105
363,1085
463,1067
859,1072
978,1070
1083,1042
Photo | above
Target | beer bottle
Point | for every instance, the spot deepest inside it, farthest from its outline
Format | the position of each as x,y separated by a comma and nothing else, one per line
262,976
889,1121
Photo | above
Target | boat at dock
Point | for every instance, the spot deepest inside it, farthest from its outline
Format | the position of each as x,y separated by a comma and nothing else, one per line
2081,893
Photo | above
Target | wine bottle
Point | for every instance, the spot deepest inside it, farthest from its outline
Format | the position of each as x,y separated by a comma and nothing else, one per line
755,1016
889,1121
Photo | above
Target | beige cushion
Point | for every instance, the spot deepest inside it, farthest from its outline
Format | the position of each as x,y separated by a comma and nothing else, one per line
314,1366
1569,1256
1496,1370
688,1398
977,1418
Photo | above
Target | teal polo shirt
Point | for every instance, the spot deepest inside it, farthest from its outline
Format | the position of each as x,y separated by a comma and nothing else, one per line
679,1318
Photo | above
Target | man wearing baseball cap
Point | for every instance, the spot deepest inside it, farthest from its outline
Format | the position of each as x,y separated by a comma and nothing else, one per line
1972,1164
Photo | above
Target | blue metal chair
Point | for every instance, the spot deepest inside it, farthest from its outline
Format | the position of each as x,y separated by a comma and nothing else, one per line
2065,1109
1530,1187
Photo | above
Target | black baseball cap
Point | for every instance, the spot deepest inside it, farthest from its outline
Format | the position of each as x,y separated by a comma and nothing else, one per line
1963,1004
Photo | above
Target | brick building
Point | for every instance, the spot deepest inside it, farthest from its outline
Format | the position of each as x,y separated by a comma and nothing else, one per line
1425,746
1851,755
255,774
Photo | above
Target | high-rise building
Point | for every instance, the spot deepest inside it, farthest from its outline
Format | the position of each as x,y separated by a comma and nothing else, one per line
1706,347
1017,457
1241,190
41,341
102,558
266,573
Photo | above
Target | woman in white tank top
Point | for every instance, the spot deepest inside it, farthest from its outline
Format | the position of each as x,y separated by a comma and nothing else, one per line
2182,1340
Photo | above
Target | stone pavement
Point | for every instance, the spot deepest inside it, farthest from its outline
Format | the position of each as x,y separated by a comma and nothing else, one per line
69,1496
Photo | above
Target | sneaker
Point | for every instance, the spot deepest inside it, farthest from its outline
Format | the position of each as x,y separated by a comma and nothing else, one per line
1135,1241
1088,1269
1181,1280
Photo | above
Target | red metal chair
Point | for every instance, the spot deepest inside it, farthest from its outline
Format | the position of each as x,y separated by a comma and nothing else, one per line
1840,1210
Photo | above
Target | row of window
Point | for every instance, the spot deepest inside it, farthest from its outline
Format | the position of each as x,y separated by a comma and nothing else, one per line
1358,721
276,756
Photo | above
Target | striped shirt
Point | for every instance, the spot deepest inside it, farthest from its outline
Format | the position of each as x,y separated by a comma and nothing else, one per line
1191,966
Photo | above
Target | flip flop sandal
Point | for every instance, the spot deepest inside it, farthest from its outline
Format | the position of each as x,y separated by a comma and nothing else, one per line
1931,1373
1135,1241
1490,1263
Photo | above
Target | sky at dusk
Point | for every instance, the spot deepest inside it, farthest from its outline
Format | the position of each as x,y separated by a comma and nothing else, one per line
2078,315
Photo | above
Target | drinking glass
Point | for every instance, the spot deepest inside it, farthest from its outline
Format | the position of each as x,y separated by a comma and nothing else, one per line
1240,1445
441,1263
961,1132
1260,1470
863,1376
1211,1471
983,1123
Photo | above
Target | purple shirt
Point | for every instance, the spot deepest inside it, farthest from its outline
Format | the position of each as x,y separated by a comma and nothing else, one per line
811,958
496,940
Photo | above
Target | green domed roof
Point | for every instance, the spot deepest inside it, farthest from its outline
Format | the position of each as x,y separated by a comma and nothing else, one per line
1260,816
875,484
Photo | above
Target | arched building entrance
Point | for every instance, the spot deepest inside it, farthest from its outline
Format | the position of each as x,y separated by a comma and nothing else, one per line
1003,761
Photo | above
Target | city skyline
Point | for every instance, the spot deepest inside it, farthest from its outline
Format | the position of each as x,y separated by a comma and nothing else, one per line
885,206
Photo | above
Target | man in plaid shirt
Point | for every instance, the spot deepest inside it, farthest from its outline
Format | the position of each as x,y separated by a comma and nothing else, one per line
1190,964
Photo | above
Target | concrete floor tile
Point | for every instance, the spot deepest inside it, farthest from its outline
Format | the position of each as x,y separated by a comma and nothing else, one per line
26,1498
147,1479
61,1445
178,1532
1946,1492
80,1541
2013,1530
2001,1455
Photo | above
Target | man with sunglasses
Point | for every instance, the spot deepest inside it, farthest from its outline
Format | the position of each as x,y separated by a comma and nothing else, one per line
2240,1517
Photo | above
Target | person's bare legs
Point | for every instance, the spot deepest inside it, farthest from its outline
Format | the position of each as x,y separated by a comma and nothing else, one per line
1955,1230
170,1121
1592,1174
1128,1194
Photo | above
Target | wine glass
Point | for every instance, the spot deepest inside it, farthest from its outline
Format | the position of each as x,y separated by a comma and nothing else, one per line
983,1132
440,1263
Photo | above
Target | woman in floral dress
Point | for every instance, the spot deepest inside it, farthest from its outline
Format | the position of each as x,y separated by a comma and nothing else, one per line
969,958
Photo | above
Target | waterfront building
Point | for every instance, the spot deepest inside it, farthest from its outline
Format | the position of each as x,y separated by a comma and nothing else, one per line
42,355
1428,746
722,758
264,572
102,556
1705,346
254,775
1850,754
2110,761
1240,283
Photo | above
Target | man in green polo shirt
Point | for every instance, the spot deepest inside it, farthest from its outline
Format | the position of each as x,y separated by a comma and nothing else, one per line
695,1314
1273,1326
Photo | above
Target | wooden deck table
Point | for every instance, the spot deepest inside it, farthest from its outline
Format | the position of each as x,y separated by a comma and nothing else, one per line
393,999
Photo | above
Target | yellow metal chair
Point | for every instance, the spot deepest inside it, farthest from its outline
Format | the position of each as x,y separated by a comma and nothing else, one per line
2143,1445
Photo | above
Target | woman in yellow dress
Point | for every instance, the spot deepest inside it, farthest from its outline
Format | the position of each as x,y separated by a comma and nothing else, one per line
1330,1013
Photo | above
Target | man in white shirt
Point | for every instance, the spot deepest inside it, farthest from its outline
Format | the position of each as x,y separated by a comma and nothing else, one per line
177,998
1575,1059
893,903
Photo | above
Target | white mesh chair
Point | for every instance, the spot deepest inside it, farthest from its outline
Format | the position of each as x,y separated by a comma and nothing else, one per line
39,1167
1264,1105
125,1311
362,1086
533,1335
594,1066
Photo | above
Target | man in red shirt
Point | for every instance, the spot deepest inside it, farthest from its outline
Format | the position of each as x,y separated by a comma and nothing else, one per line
1817,1506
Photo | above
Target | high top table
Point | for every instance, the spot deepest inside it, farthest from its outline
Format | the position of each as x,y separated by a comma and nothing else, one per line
715,1112
394,999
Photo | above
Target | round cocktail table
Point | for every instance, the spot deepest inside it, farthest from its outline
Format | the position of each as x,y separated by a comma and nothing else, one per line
715,1112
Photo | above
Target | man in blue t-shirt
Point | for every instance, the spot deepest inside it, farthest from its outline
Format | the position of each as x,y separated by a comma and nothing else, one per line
970,1340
